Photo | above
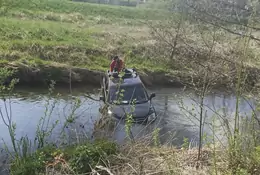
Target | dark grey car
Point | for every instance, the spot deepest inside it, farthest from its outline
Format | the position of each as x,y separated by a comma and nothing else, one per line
128,97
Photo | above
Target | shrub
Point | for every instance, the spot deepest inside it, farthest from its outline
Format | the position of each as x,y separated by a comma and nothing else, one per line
80,157
34,163
89,155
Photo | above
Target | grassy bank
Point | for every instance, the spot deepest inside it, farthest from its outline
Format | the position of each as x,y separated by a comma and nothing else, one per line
40,36
78,34
105,157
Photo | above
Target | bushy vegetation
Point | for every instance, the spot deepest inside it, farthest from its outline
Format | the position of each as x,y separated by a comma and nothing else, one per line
80,158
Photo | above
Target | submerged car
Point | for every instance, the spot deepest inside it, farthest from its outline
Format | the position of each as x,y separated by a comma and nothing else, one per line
126,95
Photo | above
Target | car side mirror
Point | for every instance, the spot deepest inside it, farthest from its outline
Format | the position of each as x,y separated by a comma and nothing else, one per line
101,98
152,95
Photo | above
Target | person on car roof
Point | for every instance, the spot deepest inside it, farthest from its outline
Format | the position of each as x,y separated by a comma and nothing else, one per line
116,65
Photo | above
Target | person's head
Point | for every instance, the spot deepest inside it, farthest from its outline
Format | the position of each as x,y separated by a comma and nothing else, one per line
116,58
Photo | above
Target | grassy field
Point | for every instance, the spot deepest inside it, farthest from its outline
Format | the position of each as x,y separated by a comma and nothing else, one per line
73,33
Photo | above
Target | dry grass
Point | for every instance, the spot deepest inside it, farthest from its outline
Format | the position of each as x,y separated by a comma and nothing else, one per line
141,159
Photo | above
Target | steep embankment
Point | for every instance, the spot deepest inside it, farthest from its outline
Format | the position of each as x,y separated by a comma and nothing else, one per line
62,74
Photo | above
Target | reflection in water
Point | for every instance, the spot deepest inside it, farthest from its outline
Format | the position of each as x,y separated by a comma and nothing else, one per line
175,121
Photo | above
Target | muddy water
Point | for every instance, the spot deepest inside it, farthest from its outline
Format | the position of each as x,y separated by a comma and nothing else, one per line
175,123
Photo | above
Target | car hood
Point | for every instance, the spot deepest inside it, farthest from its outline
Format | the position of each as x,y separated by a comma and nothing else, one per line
138,111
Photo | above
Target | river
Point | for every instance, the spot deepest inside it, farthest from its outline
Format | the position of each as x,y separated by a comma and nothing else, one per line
28,106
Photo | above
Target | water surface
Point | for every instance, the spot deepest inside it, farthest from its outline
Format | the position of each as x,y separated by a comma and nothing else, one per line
175,119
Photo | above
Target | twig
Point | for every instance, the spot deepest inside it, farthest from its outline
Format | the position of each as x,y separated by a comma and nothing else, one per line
105,169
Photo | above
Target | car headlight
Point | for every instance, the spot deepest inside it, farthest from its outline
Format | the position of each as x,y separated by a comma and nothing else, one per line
109,112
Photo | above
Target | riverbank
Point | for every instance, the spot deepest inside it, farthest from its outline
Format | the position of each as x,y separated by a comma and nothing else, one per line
44,40
105,157
43,74
65,75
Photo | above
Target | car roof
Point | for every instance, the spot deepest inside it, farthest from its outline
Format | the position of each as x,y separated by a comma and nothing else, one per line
126,81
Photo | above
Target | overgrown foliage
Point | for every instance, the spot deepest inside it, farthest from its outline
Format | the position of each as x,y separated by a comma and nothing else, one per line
78,159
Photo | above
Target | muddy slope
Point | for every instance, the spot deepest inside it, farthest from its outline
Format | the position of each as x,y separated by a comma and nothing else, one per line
42,75
62,75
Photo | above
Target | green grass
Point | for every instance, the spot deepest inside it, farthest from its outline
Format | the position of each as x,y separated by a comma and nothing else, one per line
86,9
15,29
73,33
81,158
60,32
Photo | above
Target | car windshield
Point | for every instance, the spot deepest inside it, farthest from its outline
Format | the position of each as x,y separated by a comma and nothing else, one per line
128,94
